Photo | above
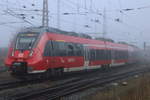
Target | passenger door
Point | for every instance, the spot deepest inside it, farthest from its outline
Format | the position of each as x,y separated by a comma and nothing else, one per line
48,54
86,56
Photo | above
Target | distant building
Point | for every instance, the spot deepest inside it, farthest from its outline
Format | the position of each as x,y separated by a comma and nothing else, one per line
147,48
147,52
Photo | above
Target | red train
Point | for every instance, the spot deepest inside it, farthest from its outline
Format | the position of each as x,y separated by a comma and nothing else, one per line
52,51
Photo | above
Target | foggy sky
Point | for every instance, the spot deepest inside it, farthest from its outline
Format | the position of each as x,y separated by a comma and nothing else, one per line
133,26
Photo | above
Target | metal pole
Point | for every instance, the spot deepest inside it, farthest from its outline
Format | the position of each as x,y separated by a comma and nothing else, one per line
85,5
104,23
58,14
104,27
45,19
144,45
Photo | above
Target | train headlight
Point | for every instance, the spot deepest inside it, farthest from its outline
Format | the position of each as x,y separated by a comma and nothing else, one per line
31,53
12,54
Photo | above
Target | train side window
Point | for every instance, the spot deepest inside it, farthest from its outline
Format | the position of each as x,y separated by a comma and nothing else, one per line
102,55
48,48
112,54
62,49
55,48
82,50
59,48
92,54
70,50
116,55
97,54
107,54
78,50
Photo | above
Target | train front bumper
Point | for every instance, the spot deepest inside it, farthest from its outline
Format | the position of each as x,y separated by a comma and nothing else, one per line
22,68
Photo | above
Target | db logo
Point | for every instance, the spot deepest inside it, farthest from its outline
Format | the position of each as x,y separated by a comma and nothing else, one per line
20,55
62,60
71,60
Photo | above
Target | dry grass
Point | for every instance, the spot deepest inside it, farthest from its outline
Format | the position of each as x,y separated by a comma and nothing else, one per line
2,61
137,89
3,53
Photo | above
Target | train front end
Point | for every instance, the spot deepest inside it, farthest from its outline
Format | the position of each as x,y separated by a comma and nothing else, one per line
22,53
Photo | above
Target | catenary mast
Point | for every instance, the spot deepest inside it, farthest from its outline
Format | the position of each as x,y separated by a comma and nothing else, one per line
45,19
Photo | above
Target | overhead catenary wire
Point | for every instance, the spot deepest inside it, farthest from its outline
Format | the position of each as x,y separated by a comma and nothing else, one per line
10,23
106,11
66,4
74,4
12,13
130,9
70,13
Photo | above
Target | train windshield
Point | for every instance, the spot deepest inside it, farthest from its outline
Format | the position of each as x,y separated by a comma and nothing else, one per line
25,41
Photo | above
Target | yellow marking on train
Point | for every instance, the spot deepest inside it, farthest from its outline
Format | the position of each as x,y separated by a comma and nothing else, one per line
28,34
60,40
31,34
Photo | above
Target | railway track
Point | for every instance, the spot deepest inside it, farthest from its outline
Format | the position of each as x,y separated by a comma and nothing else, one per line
10,84
57,84
17,83
76,85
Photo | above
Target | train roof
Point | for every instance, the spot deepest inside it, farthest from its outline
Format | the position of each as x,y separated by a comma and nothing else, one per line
58,31
104,39
54,30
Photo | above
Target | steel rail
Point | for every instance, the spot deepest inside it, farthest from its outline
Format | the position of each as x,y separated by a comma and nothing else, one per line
66,89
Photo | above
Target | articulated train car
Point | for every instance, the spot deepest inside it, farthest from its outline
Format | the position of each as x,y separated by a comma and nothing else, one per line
52,51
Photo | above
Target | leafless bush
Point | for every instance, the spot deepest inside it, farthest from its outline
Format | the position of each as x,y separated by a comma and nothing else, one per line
139,89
